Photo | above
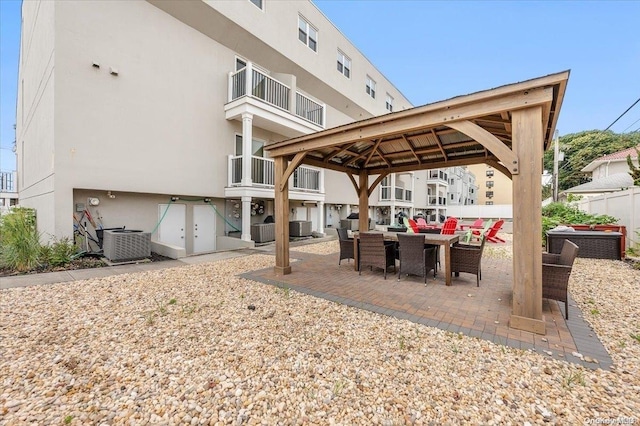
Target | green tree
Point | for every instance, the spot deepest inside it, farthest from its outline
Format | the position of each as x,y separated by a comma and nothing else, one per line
582,148
633,170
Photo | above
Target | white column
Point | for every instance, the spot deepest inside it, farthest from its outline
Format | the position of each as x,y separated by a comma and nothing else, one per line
321,216
321,181
246,218
247,138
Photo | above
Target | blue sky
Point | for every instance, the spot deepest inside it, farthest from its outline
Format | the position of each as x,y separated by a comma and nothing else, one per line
434,50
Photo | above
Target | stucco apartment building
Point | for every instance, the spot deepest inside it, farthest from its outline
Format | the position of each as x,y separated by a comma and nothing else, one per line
153,115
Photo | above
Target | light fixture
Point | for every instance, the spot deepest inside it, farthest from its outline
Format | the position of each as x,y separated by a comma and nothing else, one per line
93,201
207,200
110,195
113,71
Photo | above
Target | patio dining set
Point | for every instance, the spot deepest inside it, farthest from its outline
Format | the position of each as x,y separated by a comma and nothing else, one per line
416,251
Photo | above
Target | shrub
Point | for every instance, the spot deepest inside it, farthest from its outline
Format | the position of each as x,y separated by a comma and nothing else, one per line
556,214
20,247
59,253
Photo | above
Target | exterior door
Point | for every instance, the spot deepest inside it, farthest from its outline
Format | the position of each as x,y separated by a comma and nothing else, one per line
172,225
204,229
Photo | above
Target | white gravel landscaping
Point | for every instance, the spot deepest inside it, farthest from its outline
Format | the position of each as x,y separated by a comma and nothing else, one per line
198,345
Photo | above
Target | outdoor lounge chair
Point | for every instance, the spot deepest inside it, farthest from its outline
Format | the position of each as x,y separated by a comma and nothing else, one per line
414,257
346,245
448,228
422,224
556,269
373,251
468,258
477,224
491,234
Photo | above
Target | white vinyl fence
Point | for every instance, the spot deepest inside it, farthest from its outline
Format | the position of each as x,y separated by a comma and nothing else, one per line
496,211
624,205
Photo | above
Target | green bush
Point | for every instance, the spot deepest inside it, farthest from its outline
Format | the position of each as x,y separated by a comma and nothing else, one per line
556,214
59,252
20,247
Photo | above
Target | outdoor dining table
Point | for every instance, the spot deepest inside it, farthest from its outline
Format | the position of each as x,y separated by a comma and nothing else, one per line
437,239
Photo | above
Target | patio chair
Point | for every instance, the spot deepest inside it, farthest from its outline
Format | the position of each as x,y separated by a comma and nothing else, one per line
468,258
422,224
491,234
414,257
556,269
477,224
346,245
374,251
448,228
411,225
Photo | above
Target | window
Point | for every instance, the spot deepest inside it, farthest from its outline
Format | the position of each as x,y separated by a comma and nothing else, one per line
307,34
451,196
344,64
256,147
489,203
489,173
490,184
257,3
240,63
389,103
489,194
371,87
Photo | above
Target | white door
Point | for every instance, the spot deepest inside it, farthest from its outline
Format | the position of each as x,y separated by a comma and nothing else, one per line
301,213
172,224
313,214
204,229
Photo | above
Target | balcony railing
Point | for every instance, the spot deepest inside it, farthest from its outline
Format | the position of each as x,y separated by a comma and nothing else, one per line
275,93
400,194
437,201
304,178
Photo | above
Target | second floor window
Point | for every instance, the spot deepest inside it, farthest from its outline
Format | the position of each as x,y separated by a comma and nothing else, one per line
489,194
490,184
389,103
257,3
371,87
344,64
489,173
307,34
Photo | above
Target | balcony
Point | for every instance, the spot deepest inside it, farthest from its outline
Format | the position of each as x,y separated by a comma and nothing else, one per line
400,194
304,178
437,201
274,105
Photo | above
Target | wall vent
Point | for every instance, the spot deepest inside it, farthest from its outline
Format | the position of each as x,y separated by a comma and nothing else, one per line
124,245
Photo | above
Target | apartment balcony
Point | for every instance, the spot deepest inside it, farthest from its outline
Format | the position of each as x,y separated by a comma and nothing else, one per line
274,105
437,176
305,183
437,201
398,196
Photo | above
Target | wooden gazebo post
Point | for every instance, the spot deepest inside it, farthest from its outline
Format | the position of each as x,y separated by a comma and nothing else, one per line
363,201
282,215
527,224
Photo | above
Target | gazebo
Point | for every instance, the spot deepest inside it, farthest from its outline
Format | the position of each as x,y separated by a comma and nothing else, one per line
507,127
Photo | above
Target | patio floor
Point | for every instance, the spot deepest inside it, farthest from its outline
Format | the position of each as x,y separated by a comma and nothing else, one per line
481,312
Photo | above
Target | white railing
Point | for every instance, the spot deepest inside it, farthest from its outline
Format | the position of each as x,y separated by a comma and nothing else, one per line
259,85
309,109
304,178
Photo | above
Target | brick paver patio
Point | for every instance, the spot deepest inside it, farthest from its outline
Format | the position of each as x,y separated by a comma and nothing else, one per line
481,312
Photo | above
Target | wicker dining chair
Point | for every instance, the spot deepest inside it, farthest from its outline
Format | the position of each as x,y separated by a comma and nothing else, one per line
373,251
346,245
468,258
415,258
556,269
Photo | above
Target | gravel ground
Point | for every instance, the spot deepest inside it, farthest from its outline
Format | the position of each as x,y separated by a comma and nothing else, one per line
197,345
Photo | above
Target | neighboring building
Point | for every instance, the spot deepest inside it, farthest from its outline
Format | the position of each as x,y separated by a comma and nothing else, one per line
612,164
494,188
8,193
153,114
609,173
